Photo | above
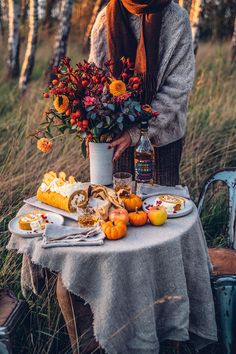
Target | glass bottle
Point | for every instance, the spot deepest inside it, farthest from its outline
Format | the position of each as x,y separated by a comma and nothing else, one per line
144,158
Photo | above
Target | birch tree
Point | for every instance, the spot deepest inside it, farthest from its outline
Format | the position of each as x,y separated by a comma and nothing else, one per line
62,35
48,12
194,16
28,63
13,37
24,10
233,49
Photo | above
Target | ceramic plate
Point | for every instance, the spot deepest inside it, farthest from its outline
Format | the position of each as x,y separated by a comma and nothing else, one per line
93,202
14,227
149,202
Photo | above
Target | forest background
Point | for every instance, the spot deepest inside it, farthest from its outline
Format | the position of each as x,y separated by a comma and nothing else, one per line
34,34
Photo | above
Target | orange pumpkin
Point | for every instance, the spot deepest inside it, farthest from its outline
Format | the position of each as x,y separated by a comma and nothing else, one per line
132,202
138,218
114,230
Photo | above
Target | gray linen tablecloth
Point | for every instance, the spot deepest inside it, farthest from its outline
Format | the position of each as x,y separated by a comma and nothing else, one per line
124,279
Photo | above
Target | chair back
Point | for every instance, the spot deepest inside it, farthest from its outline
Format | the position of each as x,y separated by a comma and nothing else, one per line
228,176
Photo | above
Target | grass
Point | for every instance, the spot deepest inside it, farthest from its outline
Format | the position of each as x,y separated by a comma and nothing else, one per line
210,144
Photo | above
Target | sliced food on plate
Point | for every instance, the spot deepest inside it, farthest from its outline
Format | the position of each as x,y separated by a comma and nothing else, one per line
176,206
33,223
33,220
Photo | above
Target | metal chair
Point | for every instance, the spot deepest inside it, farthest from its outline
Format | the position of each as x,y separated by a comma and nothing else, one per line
224,264
12,314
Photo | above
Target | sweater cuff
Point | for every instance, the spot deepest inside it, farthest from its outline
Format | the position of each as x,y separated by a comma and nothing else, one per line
134,135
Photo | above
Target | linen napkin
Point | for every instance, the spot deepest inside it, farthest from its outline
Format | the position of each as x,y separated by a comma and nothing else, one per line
61,236
148,190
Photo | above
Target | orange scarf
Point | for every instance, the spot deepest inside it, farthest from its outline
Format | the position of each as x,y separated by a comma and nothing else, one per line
122,41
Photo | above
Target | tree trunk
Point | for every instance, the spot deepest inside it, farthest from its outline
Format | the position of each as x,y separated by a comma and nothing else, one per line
1,21
97,7
13,38
24,10
195,14
233,50
48,12
61,39
28,63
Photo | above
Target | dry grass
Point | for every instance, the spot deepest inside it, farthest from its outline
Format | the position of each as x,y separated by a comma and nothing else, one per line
210,145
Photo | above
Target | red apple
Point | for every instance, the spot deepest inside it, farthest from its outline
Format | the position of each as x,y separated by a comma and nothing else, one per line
157,215
119,215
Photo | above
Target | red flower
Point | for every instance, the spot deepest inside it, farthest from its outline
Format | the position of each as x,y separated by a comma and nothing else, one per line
89,101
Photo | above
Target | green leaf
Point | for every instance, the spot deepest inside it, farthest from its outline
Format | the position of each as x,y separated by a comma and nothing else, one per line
90,108
137,108
121,126
93,115
108,120
84,149
99,125
131,118
62,129
48,135
111,107
120,119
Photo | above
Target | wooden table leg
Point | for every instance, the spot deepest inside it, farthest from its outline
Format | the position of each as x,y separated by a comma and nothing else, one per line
66,305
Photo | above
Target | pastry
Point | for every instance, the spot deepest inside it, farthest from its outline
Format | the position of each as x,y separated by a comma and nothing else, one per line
34,220
172,203
61,193
104,193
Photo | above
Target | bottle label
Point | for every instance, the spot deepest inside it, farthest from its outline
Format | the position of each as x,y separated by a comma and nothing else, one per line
143,170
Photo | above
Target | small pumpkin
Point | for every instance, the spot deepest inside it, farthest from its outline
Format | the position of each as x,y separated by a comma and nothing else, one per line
138,218
132,202
114,229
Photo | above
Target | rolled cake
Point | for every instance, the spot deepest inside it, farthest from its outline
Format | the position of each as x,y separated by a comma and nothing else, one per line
171,202
33,219
60,193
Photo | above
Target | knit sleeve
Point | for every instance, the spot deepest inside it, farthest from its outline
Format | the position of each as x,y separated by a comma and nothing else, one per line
171,100
98,42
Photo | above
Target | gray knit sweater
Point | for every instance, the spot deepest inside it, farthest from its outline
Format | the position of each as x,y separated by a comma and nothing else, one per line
176,71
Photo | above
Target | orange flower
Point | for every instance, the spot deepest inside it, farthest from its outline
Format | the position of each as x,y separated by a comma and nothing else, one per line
61,103
44,145
147,108
117,88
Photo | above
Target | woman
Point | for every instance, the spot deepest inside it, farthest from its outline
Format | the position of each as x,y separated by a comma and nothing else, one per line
156,35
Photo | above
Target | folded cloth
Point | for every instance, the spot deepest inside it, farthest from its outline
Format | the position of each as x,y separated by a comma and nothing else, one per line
61,236
148,190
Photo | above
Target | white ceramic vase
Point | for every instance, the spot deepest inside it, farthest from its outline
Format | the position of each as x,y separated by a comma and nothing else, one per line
101,165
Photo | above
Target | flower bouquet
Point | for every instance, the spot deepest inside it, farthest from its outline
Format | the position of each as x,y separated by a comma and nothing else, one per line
90,103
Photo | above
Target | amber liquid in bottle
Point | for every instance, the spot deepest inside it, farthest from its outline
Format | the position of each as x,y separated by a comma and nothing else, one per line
144,159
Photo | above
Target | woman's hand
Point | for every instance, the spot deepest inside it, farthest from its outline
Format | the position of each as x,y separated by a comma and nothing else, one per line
120,145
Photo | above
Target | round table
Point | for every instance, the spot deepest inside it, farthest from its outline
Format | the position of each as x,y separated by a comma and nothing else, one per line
150,286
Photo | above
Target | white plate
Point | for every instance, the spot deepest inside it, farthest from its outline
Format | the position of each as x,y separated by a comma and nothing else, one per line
14,227
93,202
187,208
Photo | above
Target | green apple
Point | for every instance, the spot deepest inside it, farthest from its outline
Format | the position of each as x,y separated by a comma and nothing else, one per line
157,215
